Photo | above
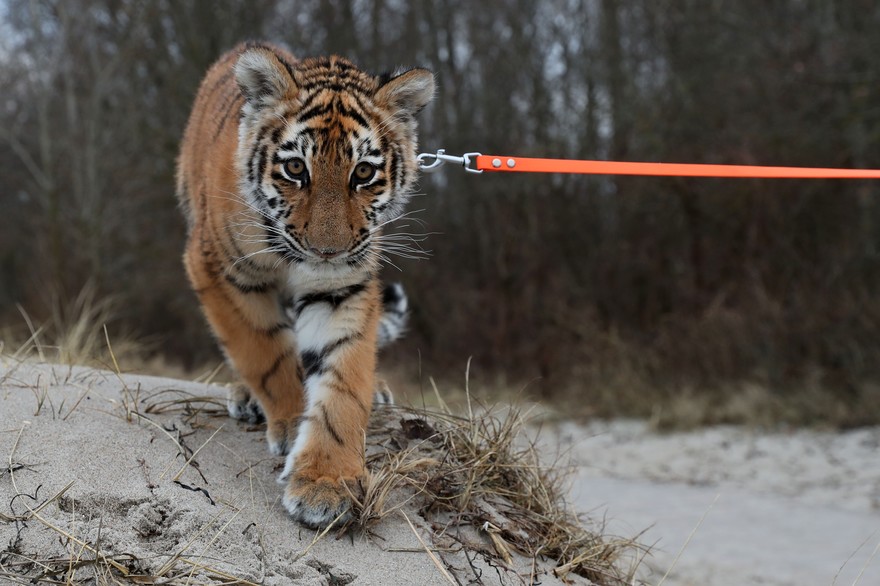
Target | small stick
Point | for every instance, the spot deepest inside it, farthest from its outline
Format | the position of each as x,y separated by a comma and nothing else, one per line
428,550
867,563
688,540
318,537
177,476
211,542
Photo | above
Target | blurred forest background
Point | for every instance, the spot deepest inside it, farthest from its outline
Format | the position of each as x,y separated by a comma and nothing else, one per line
639,296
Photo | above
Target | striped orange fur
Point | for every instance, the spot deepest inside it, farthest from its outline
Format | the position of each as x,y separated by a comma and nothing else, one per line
287,172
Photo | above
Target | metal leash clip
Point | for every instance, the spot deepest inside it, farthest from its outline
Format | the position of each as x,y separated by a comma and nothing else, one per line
430,162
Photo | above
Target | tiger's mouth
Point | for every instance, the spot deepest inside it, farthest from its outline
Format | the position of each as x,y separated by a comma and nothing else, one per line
297,249
327,255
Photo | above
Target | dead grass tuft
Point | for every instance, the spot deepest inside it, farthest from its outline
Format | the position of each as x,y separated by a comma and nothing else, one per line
480,482
75,332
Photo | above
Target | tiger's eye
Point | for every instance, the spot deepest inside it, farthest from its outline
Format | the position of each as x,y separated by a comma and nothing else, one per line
295,169
363,173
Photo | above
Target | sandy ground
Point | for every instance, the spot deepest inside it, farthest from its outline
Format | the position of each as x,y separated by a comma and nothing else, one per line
792,508
74,430
780,509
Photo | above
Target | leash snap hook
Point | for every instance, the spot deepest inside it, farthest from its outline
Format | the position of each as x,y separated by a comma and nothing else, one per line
430,162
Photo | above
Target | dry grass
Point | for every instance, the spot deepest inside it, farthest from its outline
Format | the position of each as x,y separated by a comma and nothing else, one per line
481,484
74,333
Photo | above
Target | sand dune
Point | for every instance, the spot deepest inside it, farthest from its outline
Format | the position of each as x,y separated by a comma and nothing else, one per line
120,469
116,468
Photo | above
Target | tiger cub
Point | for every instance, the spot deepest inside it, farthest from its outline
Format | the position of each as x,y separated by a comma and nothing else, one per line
288,171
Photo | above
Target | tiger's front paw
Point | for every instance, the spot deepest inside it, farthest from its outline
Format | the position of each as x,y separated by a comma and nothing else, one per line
318,502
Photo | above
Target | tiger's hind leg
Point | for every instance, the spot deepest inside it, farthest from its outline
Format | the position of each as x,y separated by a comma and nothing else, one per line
395,314
243,406
382,395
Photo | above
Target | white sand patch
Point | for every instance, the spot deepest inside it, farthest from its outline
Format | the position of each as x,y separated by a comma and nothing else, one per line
792,507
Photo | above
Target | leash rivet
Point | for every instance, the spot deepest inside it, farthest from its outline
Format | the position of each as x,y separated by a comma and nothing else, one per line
496,163
511,163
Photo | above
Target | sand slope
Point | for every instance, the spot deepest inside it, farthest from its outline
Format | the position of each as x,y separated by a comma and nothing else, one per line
73,426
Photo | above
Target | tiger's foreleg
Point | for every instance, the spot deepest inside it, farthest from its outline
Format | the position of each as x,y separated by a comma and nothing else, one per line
256,334
336,335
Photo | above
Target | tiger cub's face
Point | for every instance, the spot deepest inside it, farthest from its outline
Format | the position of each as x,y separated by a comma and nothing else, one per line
326,153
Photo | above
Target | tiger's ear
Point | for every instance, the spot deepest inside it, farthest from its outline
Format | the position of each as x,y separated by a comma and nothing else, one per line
410,91
262,77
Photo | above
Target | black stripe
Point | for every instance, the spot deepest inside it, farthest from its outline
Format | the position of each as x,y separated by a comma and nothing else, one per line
271,331
298,145
256,45
395,167
345,390
261,164
302,419
334,298
351,113
392,294
334,372
342,64
264,380
276,134
333,433
252,159
306,133
238,260
345,340
229,107
250,288
285,63
308,102
338,85
315,361
319,82
219,82
312,362
357,100
313,112
243,265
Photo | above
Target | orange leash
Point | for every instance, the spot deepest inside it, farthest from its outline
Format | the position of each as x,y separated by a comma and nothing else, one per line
478,163
526,165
